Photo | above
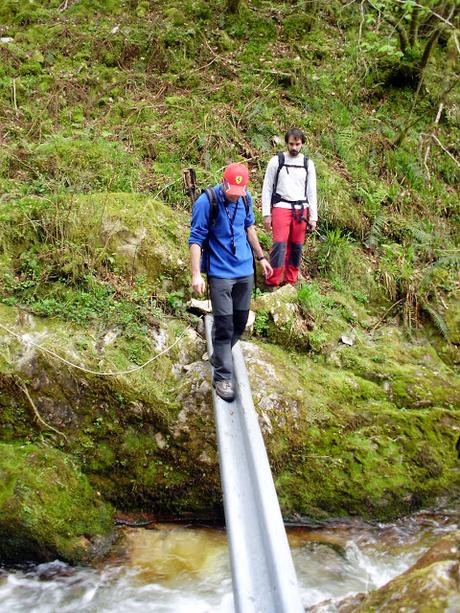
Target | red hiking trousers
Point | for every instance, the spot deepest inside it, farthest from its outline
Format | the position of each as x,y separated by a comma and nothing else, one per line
286,252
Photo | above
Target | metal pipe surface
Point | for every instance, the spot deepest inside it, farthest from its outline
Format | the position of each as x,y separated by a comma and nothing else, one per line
263,574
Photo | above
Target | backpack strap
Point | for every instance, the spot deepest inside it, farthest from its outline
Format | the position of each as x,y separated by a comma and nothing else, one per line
212,197
281,163
305,163
246,204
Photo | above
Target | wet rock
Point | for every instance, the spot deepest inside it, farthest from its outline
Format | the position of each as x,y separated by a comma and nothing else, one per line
432,584
200,306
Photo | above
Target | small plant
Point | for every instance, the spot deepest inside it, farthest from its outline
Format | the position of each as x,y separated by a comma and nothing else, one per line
310,299
261,323
335,255
176,301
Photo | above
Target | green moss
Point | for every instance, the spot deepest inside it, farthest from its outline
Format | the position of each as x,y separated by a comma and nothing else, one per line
48,508
429,585
339,446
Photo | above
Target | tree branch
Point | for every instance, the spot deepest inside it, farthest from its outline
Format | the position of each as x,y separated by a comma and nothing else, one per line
434,13
402,34
436,139
429,48
414,24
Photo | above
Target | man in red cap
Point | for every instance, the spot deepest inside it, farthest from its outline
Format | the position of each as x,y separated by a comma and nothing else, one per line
223,238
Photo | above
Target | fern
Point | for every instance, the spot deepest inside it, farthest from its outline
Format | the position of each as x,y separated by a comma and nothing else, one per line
438,321
448,261
346,143
375,235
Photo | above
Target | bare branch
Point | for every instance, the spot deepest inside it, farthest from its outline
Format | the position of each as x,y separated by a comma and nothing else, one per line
414,23
456,42
361,23
428,147
429,47
15,101
436,139
403,38
434,13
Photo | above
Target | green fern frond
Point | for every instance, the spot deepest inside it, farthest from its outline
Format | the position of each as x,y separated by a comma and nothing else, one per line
438,320
375,235
448,261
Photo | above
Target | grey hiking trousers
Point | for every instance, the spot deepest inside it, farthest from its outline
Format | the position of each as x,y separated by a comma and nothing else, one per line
231,299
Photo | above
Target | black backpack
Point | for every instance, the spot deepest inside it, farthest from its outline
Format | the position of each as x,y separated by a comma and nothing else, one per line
275,196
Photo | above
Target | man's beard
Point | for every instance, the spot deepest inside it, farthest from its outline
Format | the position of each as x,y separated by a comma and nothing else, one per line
294,152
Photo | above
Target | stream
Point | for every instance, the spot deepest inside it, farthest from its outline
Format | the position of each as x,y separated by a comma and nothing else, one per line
178,569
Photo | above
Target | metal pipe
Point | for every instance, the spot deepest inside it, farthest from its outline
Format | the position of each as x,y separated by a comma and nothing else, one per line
263,574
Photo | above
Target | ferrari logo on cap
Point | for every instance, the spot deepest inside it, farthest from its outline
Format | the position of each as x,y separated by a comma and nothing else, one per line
238,179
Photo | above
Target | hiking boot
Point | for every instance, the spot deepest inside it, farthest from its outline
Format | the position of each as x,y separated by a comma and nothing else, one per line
224,389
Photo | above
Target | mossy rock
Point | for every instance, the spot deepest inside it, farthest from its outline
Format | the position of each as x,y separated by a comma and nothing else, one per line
48,509
339,446
117,427
129,233
339,439
452,317
283,322
144,234
304,319
411,373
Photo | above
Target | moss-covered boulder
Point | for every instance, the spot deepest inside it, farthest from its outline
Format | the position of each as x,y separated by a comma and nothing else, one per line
306,319
452,317
339,445
121,428
48,509
369,429
123,232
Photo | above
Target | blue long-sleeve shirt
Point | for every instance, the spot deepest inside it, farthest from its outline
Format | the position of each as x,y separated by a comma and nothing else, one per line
219,259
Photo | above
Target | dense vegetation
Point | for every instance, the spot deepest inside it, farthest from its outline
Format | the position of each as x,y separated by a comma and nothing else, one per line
119,96
102,104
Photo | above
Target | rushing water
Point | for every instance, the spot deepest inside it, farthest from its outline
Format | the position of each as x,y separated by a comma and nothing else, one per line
175,569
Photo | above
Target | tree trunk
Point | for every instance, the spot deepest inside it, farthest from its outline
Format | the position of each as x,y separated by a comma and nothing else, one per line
430,45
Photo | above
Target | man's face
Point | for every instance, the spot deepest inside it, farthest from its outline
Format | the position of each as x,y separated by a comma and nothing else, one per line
229,197
294,146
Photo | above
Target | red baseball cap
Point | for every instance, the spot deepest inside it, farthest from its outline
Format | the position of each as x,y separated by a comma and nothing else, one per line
236,177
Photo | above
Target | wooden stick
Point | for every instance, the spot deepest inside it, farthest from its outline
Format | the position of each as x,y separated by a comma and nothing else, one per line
15,102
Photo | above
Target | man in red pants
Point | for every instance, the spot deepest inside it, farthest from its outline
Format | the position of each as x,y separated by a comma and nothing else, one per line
288,206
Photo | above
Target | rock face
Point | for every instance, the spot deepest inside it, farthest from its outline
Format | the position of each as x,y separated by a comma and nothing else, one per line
346,434
430,585
48,509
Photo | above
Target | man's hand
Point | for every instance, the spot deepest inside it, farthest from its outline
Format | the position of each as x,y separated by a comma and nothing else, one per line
312,226
267,270
268,222
198,284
